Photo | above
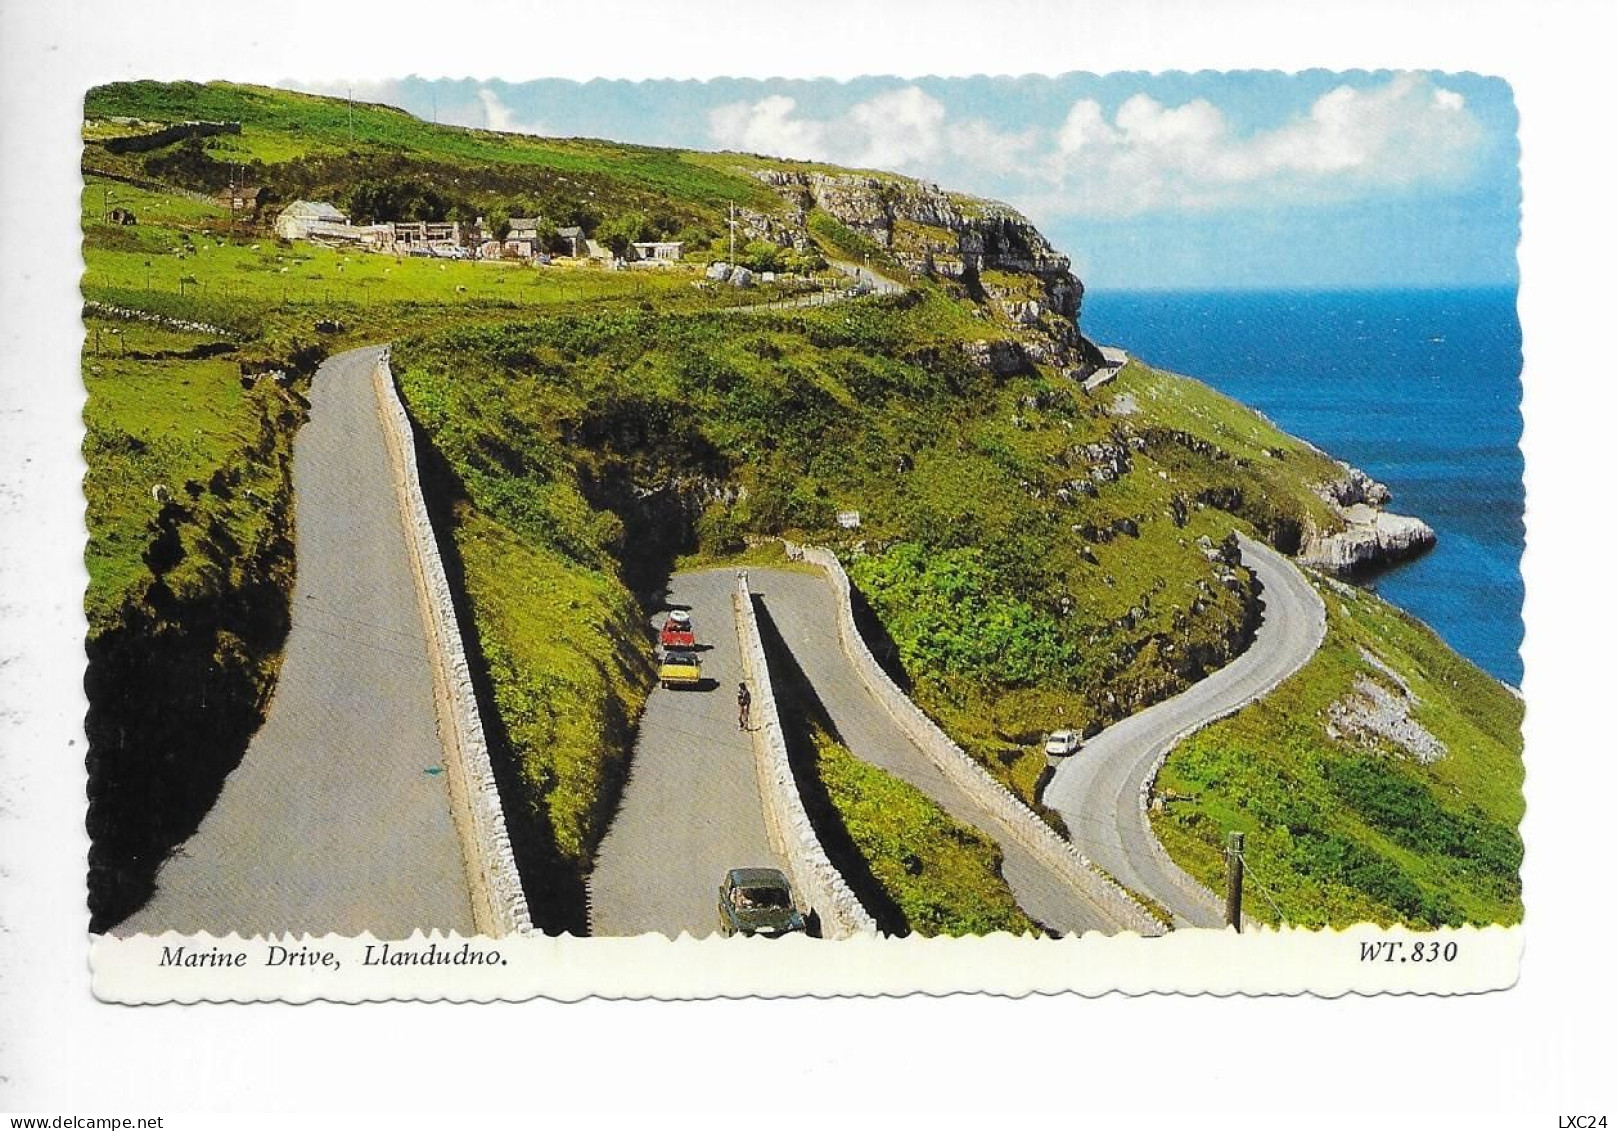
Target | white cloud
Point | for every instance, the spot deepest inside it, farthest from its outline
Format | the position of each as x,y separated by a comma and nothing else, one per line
899,129
496,115
979,143
905,129
768,126
1146,157
1350,141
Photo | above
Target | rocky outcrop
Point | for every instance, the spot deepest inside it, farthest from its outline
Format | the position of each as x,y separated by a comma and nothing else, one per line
1370,538
1378,717
1001,358
958,234
933,232
1354,487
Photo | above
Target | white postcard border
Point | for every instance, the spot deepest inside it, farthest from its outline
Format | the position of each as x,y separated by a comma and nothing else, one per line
1521,1050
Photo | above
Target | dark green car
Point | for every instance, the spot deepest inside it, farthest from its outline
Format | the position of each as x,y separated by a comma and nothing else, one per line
758,901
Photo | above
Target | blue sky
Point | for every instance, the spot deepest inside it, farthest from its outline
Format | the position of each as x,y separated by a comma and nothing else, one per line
1207,180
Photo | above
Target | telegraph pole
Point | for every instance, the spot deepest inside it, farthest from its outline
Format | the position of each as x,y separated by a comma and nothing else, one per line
1234,866
350,116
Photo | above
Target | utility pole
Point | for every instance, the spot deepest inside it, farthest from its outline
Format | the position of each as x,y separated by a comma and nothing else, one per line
1234,866
350,116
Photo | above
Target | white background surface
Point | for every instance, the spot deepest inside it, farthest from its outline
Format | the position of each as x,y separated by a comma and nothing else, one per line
1542,1048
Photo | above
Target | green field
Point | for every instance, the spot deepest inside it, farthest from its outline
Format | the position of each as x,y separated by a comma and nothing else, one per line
182,257
281,127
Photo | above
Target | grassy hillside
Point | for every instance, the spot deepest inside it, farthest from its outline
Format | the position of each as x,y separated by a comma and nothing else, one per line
1344,822
1067,565
309,146
1029,555
1016,602
187,487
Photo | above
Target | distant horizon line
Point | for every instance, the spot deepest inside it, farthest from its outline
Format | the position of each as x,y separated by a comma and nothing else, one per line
1282,288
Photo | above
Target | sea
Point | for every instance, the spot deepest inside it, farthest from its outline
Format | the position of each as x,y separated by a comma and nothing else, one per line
1419,388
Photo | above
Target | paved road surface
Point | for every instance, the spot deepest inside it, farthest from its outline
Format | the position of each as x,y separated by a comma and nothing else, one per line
691,809
802,607
878,282
338,817
1097,790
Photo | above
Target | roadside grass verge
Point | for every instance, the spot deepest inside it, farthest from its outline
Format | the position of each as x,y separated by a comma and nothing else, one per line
188,507
944,876
564,648
765,553
568,693
187,430
915,868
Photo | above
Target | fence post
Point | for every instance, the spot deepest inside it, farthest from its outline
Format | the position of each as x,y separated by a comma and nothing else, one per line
1234,866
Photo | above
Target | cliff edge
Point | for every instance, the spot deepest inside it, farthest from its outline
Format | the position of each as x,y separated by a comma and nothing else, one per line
988,247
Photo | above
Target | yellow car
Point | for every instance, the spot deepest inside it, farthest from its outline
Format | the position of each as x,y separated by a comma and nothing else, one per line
680,669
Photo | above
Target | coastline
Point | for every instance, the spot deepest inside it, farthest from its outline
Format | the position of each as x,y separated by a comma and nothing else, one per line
1419,387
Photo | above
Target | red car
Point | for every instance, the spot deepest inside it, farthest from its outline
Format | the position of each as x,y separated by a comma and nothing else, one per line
677,631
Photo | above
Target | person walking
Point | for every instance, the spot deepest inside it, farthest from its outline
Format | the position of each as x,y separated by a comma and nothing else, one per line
743,706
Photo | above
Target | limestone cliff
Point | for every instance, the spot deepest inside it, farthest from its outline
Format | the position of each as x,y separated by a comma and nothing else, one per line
1006,263
989,247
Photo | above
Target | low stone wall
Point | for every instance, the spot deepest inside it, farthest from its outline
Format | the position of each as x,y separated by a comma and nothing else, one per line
499,905
125,314
817,882
144,143
959,767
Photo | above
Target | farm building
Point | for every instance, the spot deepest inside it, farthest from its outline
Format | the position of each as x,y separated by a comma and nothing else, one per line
436,234
576,243
667,251
243,198
523,240
314,219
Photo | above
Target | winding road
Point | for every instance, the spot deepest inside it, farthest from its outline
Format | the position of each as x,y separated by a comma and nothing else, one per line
691,809
338,817
1098,790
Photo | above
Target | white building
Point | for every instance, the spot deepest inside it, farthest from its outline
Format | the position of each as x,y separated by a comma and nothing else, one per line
314,219
668,250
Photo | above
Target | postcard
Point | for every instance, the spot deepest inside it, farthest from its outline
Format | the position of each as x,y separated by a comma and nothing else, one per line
803,538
